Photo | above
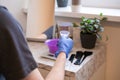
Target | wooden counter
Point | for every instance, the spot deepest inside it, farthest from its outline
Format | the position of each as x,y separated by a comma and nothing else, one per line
72,72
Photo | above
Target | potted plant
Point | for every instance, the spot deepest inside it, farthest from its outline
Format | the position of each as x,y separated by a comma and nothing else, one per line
62,3
90,29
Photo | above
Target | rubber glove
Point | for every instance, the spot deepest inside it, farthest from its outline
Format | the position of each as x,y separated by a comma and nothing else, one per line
64,45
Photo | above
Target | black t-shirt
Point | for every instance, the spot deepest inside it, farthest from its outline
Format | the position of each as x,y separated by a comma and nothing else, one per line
16,60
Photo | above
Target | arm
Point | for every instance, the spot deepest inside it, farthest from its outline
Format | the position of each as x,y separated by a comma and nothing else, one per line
23,65
58,71
58,68
64,47
34,75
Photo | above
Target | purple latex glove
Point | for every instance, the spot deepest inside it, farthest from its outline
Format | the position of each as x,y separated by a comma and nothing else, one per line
64,45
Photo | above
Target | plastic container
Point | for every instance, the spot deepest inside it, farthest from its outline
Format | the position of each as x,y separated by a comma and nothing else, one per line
64,33
65,26
52,45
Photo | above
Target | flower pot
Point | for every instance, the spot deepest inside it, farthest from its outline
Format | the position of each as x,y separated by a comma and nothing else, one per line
62,3
88,41
76,4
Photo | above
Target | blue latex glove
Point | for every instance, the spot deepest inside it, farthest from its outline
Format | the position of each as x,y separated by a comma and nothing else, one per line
64,45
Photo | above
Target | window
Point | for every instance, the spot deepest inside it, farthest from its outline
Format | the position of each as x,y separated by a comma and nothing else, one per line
99,3
102,3
90,8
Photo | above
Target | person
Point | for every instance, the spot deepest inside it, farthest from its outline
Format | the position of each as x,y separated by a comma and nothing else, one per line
16,60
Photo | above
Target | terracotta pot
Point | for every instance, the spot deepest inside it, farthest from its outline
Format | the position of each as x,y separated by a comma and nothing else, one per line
76,4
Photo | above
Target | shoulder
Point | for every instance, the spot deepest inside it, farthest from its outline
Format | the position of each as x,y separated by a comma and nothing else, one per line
7,20
4,14
2,8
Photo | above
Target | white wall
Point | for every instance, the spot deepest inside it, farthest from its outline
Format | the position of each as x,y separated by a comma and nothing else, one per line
15,8
113,51
102,3
40,17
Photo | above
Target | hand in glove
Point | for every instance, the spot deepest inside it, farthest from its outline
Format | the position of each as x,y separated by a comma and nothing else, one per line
64,45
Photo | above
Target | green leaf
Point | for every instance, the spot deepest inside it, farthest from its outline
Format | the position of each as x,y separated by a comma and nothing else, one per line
75,25
104,19
101,14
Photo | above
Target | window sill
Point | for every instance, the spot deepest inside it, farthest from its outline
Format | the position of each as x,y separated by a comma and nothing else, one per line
111,14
